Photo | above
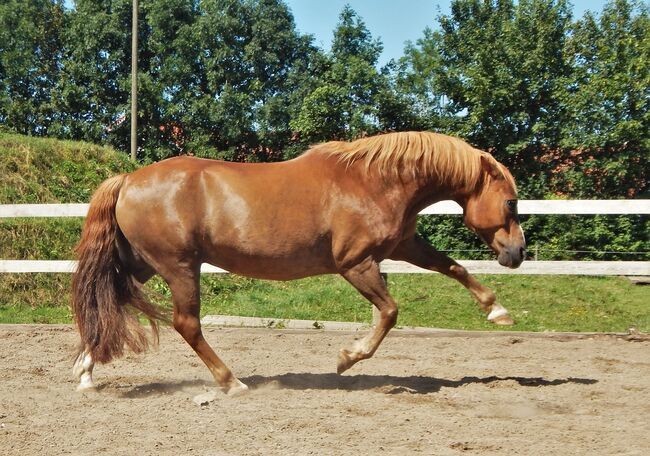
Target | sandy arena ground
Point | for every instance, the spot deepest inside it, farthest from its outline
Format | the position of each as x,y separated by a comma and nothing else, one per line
421,394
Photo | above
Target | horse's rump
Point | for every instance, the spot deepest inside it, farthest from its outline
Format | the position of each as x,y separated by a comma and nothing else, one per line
106,299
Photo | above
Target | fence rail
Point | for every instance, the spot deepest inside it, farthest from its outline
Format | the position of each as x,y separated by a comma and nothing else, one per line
590,268
526,207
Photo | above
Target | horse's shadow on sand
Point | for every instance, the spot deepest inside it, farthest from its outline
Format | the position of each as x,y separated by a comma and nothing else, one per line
388,384
391,384
158,388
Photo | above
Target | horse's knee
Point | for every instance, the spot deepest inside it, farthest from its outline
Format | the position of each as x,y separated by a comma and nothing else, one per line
389,316
458,272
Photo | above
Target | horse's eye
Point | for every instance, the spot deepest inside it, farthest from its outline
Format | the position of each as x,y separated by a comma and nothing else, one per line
512,206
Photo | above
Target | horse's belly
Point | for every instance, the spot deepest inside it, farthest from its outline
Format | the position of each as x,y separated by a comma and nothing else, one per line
275,259
259,267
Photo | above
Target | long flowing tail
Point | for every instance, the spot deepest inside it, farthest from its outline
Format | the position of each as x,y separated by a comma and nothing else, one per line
106,299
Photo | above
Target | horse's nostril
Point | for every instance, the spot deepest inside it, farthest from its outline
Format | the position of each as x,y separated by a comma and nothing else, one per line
522,252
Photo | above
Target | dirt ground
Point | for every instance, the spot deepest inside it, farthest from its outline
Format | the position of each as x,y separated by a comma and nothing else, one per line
428,394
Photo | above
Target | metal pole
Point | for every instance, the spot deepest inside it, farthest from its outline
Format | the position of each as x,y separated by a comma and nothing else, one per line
134,81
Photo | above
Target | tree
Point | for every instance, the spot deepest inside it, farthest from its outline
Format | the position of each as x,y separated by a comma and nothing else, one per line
608,94
415,80
344,103
30,52
168,75
216,77
493,66
606,99
247,54
93,91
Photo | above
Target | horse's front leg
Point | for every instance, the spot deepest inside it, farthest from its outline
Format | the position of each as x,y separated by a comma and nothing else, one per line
420,253
366,278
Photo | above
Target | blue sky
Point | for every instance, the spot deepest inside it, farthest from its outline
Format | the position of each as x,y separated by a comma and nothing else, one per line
393,22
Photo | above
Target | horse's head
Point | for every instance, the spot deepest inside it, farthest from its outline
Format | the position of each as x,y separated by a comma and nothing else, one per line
491,212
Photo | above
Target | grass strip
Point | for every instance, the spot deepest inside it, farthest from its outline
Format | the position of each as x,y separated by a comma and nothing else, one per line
538,303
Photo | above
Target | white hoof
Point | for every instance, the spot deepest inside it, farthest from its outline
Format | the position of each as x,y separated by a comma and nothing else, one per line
237,389
499,316
496,313
83,370
86,382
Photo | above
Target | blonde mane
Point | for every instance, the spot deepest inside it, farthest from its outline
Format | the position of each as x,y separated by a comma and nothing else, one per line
448,159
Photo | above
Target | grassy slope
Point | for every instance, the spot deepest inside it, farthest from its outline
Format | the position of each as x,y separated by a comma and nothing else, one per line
42,170
38,170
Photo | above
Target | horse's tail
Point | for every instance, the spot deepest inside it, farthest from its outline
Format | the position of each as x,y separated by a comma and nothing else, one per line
105,296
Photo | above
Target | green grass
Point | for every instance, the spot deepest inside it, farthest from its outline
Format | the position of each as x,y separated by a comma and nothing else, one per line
43,170
538,303
35,298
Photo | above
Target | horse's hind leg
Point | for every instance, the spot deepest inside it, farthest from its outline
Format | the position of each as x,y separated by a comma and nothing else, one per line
418,252
84,364
184,286
367,279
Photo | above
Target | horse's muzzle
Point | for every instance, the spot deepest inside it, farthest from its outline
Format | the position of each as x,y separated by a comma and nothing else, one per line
512,256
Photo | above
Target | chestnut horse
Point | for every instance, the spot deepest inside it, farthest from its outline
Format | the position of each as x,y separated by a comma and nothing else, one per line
341,207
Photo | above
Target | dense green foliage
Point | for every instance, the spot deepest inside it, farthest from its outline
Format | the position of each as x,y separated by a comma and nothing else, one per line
236,79
562,101
499,65
31,48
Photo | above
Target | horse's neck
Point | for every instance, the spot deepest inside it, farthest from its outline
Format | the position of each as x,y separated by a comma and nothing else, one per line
405,195
421,194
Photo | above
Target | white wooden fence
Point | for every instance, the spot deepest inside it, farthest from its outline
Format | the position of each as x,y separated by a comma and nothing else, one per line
576,207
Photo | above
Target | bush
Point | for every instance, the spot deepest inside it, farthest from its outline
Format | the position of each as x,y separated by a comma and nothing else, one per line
550,237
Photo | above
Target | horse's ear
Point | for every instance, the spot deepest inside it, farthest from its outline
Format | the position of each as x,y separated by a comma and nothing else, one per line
490,166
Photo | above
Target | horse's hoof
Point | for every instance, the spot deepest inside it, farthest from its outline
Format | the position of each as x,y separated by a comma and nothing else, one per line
85,382
236,389
86,388
503,320
344,362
